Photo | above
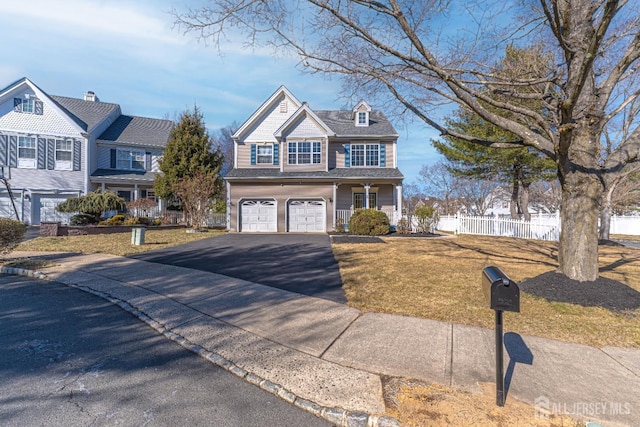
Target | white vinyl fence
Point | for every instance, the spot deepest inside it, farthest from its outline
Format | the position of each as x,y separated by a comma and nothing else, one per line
541,226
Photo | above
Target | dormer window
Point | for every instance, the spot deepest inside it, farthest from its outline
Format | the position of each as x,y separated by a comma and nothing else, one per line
29,104
361,114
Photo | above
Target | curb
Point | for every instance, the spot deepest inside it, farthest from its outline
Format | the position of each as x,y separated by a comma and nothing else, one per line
16,271
338,416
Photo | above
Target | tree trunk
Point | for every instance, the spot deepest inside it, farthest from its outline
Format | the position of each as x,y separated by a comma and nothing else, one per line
605,222
524,202
513,204
605,212
581,195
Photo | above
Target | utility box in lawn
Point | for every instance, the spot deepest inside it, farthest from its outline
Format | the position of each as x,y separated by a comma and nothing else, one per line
137,235
501,293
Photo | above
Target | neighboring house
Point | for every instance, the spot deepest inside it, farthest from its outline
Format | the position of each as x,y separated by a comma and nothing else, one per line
54,148
300,170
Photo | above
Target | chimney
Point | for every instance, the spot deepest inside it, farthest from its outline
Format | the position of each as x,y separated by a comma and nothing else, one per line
91,96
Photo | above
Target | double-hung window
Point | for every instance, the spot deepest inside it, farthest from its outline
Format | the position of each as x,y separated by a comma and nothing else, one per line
365,154
130,159
27,151
264,154
64,154
28,105
305,153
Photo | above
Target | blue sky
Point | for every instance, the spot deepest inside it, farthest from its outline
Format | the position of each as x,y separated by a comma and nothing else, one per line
128,53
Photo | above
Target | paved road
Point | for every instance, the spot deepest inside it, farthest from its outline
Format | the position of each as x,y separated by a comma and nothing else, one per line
69,358
301,263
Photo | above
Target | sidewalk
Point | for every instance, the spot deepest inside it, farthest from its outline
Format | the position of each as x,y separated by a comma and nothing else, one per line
327,357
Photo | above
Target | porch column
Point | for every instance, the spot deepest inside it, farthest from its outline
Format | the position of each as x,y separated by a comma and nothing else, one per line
136,194
366,195
104,187
398,202
334,202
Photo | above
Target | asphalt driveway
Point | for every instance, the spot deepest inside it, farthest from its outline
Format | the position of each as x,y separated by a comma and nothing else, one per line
301,263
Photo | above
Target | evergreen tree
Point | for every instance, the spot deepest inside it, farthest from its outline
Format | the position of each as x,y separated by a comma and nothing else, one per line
519,166
188,151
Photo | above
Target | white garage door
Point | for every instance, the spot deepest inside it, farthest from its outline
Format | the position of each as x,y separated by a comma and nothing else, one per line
307,216
43,208
258,215
6,208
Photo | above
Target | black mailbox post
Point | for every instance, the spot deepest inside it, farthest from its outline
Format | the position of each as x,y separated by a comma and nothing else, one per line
502,294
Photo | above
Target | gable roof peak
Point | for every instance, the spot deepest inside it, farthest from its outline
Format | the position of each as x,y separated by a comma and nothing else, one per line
362,106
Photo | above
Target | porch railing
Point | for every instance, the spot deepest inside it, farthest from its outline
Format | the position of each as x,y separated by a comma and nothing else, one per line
344,215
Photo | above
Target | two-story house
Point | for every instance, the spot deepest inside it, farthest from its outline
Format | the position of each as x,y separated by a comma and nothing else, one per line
300,170
54,147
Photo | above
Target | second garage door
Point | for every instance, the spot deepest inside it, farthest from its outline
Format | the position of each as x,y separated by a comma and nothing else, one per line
258,215
307,216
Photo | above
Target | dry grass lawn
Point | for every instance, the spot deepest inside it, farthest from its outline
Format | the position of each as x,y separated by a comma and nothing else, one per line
439,278
116,243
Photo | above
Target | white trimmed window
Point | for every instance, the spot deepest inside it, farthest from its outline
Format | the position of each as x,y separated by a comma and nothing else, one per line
130,159
305,153
264,154
64,154
365,155
28,105
26,152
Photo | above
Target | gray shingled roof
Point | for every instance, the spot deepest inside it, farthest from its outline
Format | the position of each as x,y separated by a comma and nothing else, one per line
342,123
86,114
139,130
338,173
110,174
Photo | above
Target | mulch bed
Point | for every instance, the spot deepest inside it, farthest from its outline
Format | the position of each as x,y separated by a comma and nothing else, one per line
351,238
603,292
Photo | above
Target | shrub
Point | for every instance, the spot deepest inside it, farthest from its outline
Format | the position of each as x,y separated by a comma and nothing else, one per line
404,226
11,234
340,225
369,222
427,218
156,222
136,220
116,220
83,219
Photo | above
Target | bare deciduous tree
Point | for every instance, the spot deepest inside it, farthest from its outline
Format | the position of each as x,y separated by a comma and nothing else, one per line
439,182
394,46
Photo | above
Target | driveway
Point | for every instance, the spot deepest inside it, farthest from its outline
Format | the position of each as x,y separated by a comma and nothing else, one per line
301,263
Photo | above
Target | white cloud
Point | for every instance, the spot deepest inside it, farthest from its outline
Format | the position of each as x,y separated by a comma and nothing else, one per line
117,19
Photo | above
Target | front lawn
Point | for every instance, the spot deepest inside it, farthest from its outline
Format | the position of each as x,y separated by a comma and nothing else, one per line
439,278
116,243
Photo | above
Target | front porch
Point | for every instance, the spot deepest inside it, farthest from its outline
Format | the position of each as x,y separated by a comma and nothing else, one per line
344,215
350,197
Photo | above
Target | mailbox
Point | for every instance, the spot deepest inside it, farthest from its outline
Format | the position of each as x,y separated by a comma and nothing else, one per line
501,293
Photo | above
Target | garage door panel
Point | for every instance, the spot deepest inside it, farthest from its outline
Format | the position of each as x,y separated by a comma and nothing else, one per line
258,216
307,216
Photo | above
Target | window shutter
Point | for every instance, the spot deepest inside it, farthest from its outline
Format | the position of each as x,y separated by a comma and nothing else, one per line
42,153
147,161
383,156
17,105
113,158
3,149
39,107
13,151
77,154
253,154
51,154
347,155
276,154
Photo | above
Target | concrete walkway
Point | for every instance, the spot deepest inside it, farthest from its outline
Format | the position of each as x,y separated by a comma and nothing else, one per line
328,358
